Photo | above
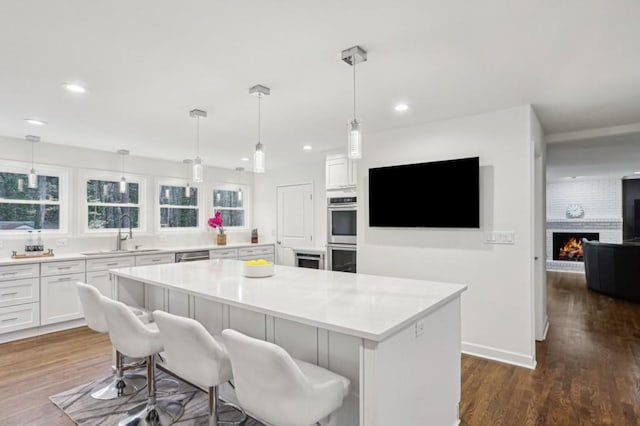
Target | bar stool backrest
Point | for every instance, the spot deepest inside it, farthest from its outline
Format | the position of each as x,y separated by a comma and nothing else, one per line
91,301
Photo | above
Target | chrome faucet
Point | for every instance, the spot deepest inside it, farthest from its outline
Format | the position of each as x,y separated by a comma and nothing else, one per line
119,238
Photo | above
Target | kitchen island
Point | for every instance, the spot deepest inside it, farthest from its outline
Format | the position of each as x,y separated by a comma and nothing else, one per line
397,340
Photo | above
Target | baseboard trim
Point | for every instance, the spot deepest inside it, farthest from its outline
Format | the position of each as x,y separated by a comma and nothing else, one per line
499,355
43,329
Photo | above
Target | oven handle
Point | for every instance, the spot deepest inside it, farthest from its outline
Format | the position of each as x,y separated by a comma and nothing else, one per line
345,247
309,257
351,206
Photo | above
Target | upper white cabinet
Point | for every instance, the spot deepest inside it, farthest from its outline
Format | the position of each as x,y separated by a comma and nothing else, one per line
340,172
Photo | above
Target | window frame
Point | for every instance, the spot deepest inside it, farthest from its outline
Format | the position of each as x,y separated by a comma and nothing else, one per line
166,181
83,205
63,175
246,198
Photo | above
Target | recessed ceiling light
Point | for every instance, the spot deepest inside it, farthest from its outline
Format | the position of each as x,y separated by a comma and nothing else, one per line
75,88
245,159
636,173
401,107
35,122
307,147
574,177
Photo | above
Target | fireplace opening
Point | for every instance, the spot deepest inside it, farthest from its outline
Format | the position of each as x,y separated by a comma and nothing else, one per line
568,245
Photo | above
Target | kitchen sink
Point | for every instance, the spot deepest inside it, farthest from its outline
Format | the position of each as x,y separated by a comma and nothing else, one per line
103,252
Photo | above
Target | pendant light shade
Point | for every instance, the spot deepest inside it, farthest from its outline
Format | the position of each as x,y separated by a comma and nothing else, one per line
353,56
187,188
259,157
198,172
32,180
123,179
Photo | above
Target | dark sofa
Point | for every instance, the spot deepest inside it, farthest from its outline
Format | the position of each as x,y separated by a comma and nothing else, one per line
613,269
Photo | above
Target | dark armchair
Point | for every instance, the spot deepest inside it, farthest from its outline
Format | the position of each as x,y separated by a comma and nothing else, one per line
613,269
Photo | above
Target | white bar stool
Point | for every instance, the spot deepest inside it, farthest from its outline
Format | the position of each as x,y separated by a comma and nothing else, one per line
122,385
134,338
197,357
279,389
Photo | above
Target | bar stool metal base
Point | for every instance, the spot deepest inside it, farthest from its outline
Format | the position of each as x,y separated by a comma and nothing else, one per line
163,413
121,386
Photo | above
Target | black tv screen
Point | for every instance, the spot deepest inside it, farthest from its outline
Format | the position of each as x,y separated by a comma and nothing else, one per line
439,194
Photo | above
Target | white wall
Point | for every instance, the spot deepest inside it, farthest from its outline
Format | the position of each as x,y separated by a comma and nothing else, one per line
81,158
498,307
265,202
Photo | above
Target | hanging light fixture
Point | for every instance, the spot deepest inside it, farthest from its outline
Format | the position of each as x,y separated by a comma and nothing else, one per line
32,181
239,170
123,180
353,56
259,156
187,188
198,173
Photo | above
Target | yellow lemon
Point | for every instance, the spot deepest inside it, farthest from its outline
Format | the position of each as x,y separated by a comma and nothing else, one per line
250,262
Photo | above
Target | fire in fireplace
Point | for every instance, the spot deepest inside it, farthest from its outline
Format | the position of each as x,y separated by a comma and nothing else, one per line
568,245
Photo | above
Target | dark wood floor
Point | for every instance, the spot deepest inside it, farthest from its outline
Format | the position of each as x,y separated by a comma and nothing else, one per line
588,370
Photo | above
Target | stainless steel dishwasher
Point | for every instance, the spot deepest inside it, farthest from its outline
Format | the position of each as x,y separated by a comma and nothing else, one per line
190,256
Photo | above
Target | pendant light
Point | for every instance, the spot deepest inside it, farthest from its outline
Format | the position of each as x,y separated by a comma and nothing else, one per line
198,173
32,181
123,180
239,170
353,56
259,156
187,188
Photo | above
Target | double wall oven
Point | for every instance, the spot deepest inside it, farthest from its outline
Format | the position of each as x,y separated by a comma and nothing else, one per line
341,234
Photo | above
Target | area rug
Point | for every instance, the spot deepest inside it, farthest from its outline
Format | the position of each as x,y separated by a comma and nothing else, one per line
82,409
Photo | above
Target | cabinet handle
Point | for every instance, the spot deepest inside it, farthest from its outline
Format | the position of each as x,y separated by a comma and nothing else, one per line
9,273
13,293
112,264
9,319
156,260
64,279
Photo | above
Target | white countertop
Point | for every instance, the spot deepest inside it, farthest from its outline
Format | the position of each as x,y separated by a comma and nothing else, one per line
4,261
367,306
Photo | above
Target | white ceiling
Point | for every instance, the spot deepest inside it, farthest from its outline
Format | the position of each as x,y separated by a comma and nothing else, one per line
147,63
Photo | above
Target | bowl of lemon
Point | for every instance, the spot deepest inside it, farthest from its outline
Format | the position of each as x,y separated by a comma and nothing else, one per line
257,268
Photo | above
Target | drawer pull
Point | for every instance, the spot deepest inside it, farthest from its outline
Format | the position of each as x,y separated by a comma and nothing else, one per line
112,264
13,293
60,268
9,319
9,273
64,279
156,260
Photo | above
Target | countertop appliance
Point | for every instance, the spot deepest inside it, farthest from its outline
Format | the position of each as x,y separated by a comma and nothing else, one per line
190,256
309,258
341,257
341,220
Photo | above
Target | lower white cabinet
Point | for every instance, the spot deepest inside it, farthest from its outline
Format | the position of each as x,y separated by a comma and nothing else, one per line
19,292
13,318
59,299
101,281
230,253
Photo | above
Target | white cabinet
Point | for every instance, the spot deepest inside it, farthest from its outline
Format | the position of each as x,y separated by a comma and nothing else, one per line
19,317
98,272
155,259
59,298
230,253
261,252
340,172
19,292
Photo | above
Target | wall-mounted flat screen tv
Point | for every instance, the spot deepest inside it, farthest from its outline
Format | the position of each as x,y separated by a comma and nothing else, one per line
439,194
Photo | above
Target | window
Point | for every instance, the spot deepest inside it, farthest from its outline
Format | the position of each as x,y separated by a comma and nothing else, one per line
231,201
105,205
23,208
177,210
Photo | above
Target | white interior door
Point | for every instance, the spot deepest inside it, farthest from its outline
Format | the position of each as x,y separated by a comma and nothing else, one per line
295,220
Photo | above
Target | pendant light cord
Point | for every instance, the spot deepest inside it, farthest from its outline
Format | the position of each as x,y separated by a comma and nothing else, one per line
32,143
198,136
259,124
354,58
122,155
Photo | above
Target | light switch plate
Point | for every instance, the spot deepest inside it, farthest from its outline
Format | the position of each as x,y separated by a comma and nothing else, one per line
61,242
500,237
420,327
